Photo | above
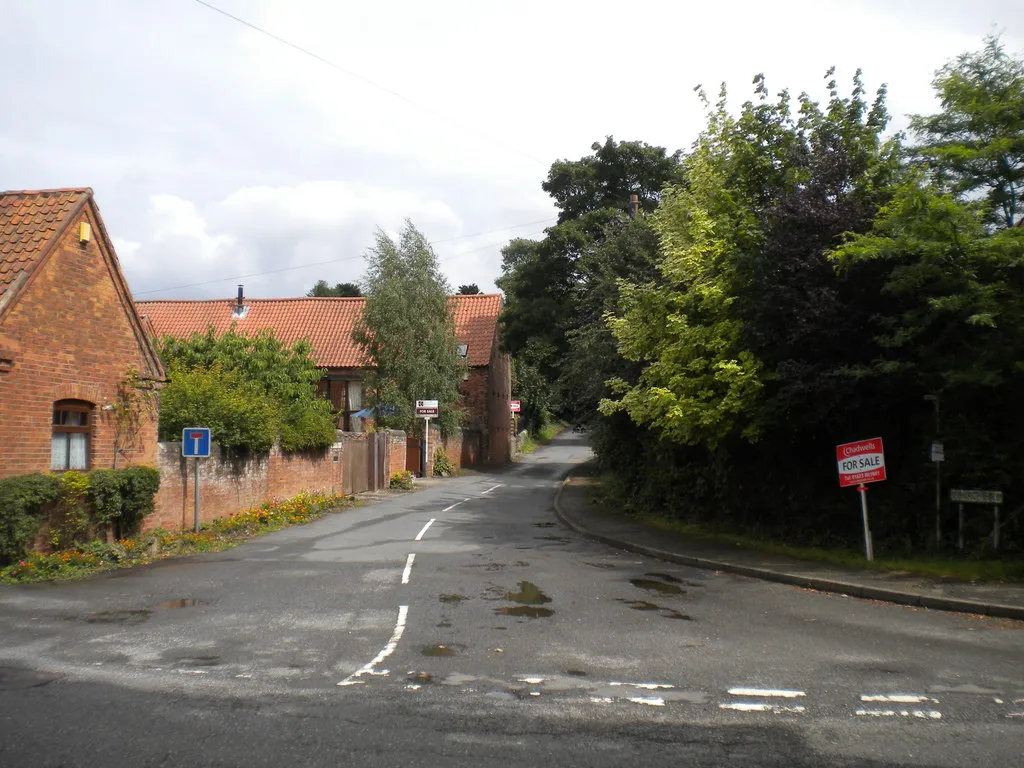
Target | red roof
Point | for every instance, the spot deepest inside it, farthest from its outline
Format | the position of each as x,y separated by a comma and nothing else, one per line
29,222
326,322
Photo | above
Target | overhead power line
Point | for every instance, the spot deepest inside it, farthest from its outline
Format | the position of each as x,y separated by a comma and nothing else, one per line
362,78
352,258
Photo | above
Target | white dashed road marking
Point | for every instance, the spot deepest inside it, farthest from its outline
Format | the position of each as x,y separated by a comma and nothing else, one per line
429,523
499,485
899,698
763,706
408,568
387,650
450,507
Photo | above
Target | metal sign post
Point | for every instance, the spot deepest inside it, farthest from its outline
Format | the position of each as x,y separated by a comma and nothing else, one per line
859,463
195,443
962,496
869,549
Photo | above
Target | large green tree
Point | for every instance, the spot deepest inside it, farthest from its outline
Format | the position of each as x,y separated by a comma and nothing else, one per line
976,142
407,332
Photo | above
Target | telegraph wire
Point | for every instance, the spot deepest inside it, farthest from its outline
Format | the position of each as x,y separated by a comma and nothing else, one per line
323,60
352,258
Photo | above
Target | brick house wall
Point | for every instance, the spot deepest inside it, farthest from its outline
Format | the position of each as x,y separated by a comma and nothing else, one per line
69,335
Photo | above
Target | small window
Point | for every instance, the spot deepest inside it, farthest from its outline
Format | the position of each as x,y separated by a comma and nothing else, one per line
463,350
69,448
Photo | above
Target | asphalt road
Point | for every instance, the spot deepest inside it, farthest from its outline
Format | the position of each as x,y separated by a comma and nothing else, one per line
462,626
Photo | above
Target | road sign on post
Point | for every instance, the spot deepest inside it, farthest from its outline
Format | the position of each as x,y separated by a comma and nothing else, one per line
859,463
514,406
195,443
424,410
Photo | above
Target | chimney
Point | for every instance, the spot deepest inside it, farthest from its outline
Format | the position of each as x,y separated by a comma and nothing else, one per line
634,205
240,310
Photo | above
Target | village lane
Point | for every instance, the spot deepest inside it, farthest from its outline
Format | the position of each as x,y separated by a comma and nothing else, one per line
461,625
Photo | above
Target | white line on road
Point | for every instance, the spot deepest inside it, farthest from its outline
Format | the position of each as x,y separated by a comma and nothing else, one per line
921,714
408,568
387,650
782,694
499,485
429,523
758,706
648,686
453,506
898,698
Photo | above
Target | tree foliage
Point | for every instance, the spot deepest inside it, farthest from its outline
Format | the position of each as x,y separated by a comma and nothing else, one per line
323,289
976,143
472,289
249,389
407,332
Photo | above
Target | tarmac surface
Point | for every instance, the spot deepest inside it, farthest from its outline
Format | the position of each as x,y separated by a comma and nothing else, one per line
576,509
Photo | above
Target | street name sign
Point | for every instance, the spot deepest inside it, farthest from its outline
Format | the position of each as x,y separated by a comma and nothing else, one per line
426,408
860,462
514,406
195,442
975,497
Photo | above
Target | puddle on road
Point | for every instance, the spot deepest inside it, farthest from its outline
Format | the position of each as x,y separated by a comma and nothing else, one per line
128,618
419,678
452,598
600,565
440,650
529,611
522,564
560,539
185,602
528,594
444,624
544,525
657,586
529,598
576,672
644,605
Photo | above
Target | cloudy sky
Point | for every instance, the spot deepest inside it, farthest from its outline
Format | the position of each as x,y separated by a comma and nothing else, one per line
220,155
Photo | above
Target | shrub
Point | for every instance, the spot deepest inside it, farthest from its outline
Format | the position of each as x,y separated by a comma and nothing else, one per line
401,480
22,502
249,390
443,466
239,416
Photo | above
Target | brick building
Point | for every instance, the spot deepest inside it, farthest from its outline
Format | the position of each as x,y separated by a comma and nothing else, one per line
69,338
328,323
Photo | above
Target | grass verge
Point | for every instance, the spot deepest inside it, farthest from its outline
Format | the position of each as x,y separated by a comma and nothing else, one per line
926,565
546,435
223,533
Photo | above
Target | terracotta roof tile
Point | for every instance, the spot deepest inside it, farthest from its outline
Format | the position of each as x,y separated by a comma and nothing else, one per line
28,221
326,322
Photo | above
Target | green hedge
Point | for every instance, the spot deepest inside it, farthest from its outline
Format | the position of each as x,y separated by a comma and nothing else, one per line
77,504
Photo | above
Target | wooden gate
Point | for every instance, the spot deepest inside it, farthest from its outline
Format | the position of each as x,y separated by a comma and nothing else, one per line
365,464
413,457
355,474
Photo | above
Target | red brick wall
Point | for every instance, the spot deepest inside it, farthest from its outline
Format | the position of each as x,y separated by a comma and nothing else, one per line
396,452
228,486
498,448
71,338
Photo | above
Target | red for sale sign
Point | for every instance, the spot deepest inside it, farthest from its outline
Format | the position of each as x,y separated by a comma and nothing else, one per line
860,462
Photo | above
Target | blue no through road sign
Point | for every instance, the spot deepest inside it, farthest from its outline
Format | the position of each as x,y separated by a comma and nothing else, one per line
195,442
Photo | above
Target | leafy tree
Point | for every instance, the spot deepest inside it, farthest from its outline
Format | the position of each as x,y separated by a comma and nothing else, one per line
262,370
407,332
976,142
323,290
469,290
609,177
